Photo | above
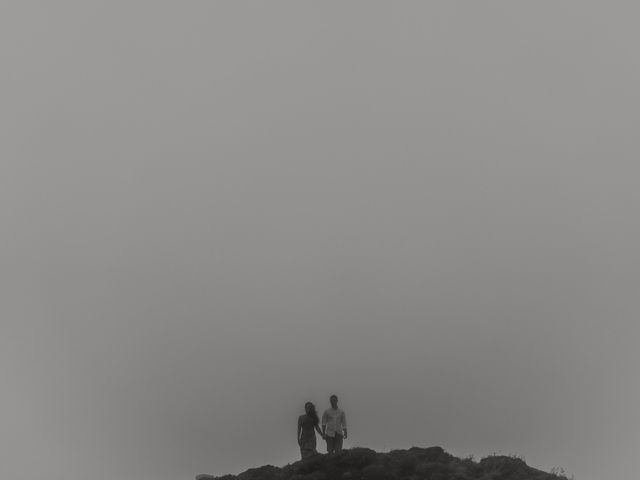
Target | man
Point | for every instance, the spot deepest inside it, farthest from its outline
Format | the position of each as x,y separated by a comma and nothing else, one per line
334,426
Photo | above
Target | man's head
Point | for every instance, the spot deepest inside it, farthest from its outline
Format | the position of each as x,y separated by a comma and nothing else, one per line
334,401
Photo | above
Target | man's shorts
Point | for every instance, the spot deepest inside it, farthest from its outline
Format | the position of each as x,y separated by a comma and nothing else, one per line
334,444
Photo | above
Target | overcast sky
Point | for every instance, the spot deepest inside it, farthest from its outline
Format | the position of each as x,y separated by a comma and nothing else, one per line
212,212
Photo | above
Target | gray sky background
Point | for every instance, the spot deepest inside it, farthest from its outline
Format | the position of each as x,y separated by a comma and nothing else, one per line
213,212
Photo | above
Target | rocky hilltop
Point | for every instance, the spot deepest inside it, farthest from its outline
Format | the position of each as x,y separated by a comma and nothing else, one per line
414,464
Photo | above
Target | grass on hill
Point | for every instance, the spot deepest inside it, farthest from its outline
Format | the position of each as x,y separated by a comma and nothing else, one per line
431,463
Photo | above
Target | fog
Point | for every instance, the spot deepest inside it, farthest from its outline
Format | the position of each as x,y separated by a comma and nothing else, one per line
213,212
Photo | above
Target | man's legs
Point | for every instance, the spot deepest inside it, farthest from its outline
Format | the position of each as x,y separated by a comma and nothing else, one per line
331,444
334,444
337,445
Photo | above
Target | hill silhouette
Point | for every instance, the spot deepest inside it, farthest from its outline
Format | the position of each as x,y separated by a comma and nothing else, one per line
431,463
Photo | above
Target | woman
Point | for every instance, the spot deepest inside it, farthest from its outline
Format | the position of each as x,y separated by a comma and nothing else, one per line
307,423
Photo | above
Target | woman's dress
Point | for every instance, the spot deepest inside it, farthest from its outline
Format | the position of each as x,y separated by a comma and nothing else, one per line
307,436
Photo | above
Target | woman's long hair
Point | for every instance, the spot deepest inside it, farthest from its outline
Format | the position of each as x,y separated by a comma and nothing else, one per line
310,410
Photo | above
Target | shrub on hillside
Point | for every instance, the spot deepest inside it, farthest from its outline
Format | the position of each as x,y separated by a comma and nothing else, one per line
377,472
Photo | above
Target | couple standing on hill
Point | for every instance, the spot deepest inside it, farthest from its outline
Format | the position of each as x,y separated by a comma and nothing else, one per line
334,428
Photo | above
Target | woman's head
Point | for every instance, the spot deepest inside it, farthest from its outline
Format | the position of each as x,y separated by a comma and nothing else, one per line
310,410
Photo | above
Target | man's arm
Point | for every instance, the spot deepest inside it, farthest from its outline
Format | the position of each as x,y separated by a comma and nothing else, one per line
299,429
344,424
324,423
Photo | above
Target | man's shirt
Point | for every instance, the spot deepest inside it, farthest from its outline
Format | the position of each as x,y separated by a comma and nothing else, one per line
335,421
